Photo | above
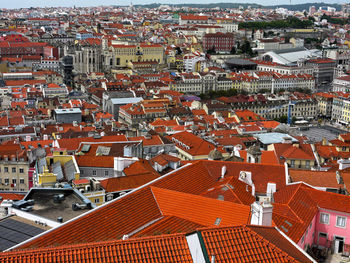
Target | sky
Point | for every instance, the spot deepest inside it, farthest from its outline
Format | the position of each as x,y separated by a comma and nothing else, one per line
43,3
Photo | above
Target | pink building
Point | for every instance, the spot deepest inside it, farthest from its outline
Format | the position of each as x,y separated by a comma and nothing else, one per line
313,218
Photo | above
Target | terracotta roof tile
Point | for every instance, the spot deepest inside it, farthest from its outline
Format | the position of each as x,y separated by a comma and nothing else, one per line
136,209
166,248
315,178
250,244
124,183
169,225
200,210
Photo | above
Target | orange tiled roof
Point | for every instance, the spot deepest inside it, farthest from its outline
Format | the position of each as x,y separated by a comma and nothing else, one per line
315,178
194,145
72,144
123,183
250,244
10,196
137,209
95,161
166,248
169,225
207,209
231,189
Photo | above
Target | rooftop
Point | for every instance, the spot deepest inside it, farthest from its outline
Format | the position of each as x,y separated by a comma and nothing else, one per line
45,206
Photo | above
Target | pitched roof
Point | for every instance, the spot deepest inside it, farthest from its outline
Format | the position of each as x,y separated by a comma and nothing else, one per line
315,178
200,210
72,144
165,248
123,183
191,143
250,244
137,209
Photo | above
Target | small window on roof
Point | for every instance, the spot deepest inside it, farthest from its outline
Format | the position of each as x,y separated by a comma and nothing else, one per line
85,148
288,223
221,197
285,229
217,221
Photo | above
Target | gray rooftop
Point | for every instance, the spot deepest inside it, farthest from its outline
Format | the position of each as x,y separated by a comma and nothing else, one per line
45,206
65,111
273,137
126,100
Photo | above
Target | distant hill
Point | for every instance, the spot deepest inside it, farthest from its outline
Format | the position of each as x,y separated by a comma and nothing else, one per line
301,7
296,7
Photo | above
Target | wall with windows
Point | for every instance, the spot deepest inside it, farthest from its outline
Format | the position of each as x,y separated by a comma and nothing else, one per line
330,224
308,238
104,172
14,175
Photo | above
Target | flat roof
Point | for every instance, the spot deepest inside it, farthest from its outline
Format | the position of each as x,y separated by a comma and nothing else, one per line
273,137
45,206
65,111
126,100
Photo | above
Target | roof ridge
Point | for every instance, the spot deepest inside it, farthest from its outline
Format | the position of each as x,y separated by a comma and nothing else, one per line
155,199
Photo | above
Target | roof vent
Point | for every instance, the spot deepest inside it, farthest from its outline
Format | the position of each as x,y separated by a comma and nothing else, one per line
125,237
58,198
60,219
217,221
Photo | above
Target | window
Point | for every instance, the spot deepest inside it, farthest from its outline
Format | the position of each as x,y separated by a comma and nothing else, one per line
292,163
7,180
14,181
324,218
13,169
21,181
6,169
323,235
106,173
97,200
21,170
93,172
341,221
307,163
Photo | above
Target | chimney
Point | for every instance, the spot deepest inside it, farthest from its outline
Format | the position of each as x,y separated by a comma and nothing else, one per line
223,171
271,189
261,213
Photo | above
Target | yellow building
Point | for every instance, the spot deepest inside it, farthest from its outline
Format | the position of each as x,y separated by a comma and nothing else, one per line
123,54
96,197
56,168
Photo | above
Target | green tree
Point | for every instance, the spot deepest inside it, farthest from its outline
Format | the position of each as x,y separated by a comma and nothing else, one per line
233,50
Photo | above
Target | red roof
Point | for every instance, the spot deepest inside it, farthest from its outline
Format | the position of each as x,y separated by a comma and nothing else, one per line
124,183
191,143
315,178
256,244
227,244
167,248
10,196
